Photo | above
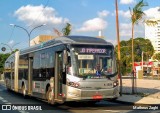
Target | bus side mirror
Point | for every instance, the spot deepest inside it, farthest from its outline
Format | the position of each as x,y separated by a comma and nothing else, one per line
65,57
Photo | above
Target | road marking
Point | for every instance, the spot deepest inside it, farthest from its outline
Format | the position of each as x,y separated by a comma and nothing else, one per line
111,111
1,98
4,101
23,112
8,103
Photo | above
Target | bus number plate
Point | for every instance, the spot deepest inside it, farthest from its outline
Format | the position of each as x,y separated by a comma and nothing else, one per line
97,97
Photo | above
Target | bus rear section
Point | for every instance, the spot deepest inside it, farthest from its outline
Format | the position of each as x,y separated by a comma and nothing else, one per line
11,72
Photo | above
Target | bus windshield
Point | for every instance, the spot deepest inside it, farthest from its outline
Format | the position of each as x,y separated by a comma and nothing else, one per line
93,61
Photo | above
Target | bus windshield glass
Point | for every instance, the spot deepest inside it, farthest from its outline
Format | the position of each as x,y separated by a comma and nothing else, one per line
93,61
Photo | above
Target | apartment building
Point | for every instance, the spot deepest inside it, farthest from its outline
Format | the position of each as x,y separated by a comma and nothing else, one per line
152,33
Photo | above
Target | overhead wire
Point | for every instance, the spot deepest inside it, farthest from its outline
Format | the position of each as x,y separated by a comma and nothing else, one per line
12,32
38,15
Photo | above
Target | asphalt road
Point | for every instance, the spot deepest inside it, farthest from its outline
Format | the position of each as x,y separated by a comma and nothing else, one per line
19,105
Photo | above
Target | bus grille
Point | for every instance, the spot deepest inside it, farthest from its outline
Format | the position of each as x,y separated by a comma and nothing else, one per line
96,92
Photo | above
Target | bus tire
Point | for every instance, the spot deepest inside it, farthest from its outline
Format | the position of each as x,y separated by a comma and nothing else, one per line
91,102
113,99
49,96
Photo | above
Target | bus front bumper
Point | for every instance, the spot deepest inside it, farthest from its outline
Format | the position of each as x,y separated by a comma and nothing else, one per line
74,94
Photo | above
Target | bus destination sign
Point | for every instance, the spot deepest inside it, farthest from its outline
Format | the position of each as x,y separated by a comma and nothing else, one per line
93,50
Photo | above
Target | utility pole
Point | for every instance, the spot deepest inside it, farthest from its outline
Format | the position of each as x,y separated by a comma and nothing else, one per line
118,43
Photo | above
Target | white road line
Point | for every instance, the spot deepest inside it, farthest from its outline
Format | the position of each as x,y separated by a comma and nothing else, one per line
4,101
8,103
23,111
112,111
1,98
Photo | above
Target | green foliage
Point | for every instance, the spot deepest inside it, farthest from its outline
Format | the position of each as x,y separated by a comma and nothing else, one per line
136,12
140,44
156,56
3,57
67,29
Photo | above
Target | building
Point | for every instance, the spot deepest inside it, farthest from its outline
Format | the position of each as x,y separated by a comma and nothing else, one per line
100,34
152,32
41,38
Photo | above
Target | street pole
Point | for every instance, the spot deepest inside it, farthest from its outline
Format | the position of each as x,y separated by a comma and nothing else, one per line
11,48
133,60
142,61
28,33
118,43
7,46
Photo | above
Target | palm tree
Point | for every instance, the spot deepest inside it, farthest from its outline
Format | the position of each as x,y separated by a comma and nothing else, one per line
136,16
150,22
65,31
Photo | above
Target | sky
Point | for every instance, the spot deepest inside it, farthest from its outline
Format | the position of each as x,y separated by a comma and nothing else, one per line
87,18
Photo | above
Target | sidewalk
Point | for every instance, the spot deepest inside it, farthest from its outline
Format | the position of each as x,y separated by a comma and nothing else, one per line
148,92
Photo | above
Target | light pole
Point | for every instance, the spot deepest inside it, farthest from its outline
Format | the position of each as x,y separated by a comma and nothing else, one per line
118,41
28,33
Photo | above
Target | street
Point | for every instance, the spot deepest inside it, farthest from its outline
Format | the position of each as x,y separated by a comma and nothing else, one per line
12,98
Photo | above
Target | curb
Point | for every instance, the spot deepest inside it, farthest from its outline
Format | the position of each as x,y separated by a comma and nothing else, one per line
139,101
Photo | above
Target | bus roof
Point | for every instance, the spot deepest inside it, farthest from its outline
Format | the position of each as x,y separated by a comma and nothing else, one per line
67,40
86,40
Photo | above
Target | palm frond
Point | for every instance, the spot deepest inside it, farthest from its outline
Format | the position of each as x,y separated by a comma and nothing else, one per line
137,12
140,5
151,22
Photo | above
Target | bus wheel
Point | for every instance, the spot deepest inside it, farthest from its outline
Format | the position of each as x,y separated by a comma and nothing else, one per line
49,96
24,91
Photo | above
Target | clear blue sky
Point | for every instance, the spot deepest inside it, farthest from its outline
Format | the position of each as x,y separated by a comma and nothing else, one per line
86,16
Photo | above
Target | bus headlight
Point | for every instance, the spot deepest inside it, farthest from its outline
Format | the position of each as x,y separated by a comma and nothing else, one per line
116,83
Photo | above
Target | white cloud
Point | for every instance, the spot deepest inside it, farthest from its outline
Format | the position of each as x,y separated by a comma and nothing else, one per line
94,24
126,1
38,15
125,14
103,13
153,12
125,29
114,42
11,42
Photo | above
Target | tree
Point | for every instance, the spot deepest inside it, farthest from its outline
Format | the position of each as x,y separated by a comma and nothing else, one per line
65,31
151,22
136,16
3,58
156,56
140,44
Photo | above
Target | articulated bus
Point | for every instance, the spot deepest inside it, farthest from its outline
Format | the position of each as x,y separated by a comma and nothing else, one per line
68,68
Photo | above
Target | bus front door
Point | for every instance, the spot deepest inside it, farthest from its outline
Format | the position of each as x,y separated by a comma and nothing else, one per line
58,77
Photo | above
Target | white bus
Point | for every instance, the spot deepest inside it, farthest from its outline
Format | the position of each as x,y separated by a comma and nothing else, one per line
69,68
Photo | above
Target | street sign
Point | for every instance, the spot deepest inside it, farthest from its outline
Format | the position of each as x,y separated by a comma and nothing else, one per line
3,49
